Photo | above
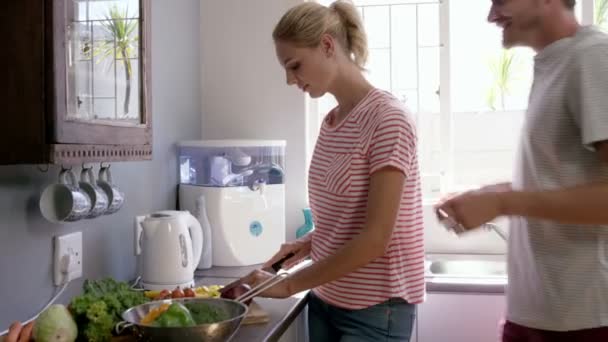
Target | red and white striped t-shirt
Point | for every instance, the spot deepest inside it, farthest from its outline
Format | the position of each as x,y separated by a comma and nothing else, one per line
377,133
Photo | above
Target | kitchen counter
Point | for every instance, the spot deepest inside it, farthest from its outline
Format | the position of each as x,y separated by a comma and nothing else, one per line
282,312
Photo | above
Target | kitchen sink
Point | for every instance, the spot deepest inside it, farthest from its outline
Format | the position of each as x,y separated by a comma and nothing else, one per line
468,268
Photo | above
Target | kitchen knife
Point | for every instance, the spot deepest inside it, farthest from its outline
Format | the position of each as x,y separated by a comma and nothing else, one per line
274,268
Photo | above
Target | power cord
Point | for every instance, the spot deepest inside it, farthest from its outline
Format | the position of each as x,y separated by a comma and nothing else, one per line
136,286
65,262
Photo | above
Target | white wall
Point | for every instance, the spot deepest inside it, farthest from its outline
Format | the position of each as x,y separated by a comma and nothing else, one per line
244,96
26,238
244,93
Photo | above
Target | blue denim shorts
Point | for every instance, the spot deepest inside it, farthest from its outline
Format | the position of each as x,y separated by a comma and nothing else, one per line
390,321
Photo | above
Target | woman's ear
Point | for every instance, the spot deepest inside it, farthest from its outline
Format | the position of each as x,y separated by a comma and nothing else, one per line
328,45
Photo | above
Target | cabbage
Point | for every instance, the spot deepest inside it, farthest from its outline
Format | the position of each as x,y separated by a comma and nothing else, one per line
55,324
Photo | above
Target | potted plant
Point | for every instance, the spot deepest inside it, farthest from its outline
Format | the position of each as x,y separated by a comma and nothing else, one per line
600,11
504,72
120,44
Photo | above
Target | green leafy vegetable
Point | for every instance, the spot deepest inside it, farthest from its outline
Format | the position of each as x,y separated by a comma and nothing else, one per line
205,314
98,309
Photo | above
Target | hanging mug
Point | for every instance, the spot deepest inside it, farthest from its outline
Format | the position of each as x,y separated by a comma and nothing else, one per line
115,197
64,201
99,198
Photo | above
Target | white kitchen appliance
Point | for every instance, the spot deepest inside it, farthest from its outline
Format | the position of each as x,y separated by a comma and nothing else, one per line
242,183
170,246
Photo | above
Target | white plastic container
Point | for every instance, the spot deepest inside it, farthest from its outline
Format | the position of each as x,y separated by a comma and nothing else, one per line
242,182
226,163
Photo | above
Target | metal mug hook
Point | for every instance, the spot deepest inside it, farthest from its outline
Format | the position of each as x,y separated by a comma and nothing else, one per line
42,170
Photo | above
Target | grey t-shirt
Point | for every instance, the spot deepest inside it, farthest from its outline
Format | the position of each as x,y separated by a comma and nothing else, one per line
558,273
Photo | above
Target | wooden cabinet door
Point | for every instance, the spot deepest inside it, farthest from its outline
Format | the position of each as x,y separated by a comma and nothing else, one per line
22,124
100,60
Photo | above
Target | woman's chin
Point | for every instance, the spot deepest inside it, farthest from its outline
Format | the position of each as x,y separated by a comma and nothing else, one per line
315,94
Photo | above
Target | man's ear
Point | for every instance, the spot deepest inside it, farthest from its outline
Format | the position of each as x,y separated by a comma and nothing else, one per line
328,45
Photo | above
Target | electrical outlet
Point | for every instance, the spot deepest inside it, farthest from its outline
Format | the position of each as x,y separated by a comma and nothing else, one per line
67,264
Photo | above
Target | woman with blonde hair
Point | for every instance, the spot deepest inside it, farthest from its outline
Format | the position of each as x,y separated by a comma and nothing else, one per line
364,187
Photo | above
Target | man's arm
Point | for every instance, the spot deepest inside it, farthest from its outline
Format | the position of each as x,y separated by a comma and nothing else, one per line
584,204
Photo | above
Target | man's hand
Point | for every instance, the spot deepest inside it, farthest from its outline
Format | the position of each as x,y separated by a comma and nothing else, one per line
474,208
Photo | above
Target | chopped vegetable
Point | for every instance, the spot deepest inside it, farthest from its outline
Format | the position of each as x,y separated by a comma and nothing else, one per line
204,313
177,315
151,294
212,291
154,313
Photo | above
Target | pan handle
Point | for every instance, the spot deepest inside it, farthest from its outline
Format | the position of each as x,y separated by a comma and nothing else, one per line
121,326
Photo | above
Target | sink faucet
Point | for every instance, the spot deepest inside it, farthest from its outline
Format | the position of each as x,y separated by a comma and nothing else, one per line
496,229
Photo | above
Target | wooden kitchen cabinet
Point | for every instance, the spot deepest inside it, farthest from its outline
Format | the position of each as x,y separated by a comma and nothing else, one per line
75,81
460,317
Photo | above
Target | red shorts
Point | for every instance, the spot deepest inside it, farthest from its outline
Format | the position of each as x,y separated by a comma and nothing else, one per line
516,333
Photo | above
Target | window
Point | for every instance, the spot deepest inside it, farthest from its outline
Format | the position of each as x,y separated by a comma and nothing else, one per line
600,14
468,94
103,60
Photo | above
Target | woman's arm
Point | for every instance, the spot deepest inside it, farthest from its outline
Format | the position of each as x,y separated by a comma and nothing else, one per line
385,191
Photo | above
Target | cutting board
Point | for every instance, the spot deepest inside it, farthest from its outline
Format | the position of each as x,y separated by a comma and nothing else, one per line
256,314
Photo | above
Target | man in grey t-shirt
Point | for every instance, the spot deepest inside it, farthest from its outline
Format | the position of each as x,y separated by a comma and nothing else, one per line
558,199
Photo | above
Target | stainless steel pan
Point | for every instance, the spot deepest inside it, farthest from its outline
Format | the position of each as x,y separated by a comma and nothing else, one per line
214,332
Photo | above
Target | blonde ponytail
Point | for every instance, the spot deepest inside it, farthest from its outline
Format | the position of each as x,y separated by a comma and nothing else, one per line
356,39
305,24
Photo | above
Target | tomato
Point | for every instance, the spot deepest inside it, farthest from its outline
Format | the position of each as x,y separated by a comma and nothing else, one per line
164,294
177,293
189,292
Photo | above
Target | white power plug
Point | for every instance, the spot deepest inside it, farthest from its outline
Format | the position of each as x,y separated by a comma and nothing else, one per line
67,263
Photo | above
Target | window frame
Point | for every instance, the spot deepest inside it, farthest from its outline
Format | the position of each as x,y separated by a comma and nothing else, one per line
446,117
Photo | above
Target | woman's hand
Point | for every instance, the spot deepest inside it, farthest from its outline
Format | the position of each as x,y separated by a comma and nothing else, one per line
19,333
280,290
300,248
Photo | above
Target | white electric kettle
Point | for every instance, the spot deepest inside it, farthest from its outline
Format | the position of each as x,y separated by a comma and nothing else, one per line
170,243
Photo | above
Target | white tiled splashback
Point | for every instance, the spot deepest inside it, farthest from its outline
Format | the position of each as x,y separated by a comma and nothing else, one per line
440,241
